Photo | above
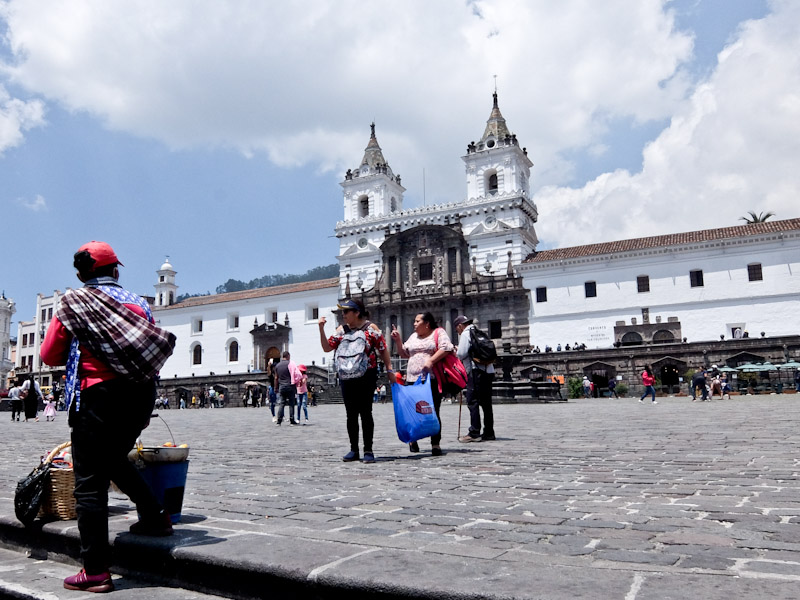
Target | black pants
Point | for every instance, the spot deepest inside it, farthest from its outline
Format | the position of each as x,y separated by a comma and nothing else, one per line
357,394
16,409
479,396
437,405
288,395
111,416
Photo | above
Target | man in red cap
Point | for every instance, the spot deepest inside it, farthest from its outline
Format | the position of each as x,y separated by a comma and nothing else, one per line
110,398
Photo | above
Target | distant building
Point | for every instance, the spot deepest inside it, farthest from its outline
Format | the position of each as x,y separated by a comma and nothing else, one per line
29,340
7,310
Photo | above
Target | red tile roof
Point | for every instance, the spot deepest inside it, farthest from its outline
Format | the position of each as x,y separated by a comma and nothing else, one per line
659,241
289,288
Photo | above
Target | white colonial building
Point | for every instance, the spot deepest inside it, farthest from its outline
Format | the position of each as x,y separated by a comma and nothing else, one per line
29,340
703,285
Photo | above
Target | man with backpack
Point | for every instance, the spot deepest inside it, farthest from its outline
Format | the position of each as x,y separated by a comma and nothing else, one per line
476,350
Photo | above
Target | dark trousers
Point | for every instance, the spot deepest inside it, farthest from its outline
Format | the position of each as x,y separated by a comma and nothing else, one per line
357,394
112,415
288,395
16,409
437,405
479,396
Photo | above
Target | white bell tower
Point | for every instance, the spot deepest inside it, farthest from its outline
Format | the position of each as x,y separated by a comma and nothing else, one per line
166,290
499,220
496,165
372,189
373,196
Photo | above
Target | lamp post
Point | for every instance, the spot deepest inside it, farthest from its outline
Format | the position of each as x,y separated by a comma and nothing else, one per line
42,332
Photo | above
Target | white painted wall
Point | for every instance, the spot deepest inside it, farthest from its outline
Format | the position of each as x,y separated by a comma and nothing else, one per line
216,336
727,297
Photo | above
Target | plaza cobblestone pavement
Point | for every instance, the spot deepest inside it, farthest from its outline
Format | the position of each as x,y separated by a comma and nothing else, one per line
588,499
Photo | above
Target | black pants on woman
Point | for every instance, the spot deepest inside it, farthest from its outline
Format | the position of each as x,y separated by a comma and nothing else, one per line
357,394
111,416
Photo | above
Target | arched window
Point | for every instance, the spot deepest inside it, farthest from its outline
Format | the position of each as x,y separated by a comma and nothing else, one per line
363,207
171,298
392,205
631,339
197,355
492,184
663,337
233,352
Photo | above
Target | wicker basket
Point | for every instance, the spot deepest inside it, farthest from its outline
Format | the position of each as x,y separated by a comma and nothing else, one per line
59,501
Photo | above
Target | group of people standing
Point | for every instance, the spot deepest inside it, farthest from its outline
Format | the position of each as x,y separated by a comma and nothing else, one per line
360,344
25,398
290,384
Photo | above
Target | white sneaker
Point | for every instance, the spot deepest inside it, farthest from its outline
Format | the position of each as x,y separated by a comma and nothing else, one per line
641,401
654,402
274,419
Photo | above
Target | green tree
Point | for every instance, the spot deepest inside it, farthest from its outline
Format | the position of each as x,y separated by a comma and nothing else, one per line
756,218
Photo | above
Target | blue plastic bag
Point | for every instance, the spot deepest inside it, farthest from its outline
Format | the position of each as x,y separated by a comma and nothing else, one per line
414,415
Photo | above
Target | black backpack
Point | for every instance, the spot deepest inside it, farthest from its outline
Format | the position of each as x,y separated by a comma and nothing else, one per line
481,348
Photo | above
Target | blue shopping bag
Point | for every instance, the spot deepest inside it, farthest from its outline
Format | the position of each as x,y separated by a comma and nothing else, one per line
414,415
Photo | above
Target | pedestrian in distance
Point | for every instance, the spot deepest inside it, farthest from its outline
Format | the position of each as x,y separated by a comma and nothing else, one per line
699,385
587,387
357,347
287,374
16,402
106,337
302,393
424,348
31,395
479,384
648,381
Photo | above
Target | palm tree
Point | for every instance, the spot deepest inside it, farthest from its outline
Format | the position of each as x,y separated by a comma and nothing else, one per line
757,218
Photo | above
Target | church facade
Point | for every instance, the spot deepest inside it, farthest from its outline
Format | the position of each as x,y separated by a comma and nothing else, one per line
478,256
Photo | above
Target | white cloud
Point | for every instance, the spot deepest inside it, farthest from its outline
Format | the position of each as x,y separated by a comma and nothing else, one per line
302,81
298,83
17,116
732,147
38,204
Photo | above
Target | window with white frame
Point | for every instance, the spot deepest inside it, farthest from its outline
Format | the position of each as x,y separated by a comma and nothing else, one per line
312,312
233,322
197,325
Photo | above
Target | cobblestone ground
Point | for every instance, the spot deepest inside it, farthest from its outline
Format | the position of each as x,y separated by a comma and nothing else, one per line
676,488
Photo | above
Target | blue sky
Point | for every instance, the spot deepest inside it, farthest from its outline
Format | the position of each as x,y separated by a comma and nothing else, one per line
217,133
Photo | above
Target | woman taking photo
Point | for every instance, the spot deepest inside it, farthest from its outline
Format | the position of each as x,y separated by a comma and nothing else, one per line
422,353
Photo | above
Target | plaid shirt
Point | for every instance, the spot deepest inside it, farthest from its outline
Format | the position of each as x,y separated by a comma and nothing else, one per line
97,319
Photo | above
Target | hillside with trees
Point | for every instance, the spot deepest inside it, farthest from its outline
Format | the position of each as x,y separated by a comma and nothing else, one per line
235,285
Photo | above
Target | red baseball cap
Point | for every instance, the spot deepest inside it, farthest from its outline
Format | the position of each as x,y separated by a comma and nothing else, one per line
102,253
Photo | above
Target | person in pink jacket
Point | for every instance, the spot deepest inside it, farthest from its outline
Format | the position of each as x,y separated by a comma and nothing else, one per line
649,381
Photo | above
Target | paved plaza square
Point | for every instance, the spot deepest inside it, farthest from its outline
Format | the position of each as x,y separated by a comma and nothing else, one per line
589,498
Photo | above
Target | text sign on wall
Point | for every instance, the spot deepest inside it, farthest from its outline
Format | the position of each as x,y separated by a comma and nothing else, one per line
599,335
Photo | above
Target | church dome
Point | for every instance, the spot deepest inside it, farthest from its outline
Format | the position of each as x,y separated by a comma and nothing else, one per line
166,266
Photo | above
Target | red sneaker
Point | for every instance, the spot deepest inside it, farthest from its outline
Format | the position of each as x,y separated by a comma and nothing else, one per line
90,583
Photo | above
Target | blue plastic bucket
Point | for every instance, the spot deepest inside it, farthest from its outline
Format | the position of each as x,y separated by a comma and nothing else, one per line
168,481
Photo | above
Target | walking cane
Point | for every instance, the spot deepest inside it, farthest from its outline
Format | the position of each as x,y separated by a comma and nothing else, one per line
460,398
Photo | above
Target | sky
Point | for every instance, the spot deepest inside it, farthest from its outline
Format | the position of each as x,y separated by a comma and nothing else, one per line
217,133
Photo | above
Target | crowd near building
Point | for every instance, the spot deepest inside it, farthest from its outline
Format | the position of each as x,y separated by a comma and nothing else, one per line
728,295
